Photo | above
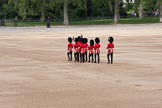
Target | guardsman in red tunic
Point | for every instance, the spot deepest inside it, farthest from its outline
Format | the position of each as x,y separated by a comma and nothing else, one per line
110,47
90,49
69,50
82,51
79,43
97,49
76,50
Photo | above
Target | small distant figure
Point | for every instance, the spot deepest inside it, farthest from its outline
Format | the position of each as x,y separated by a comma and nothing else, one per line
70,47
48,22
97,49
110,47
90,49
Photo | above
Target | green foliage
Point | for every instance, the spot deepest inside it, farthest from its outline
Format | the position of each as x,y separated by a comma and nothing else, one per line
78,9
2,10
150,6
103,7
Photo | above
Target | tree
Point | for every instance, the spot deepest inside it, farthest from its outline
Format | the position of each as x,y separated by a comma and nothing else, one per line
102,8
65,10
141,9
88,8
85,7
43,10
160,2
136,3
116,14
66,19
5,9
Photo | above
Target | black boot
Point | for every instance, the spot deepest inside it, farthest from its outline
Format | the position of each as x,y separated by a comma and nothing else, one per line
95,59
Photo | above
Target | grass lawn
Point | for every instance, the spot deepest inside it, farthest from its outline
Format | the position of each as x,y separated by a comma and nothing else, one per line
89,22
138,20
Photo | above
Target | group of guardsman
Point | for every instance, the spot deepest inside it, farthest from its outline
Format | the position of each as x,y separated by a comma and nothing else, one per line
88,53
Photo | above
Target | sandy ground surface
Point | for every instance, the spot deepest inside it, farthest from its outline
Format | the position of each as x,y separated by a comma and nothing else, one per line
35,73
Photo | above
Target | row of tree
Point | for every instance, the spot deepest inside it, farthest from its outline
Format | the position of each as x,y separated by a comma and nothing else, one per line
79,9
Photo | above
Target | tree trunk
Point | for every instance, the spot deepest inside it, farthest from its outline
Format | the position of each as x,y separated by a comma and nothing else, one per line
85,8
136,8
43,17
110,7
157,3
141,9
116,14
66,20
160,11
89,8
43,14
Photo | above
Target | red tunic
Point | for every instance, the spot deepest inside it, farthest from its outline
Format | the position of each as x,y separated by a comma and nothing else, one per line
86,47
82,49
110,47
90,48
97,48
76,47
79,43
70,47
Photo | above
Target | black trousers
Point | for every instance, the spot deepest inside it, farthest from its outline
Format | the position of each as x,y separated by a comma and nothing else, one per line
86,56
82,57
110,58
90,56
76,56
69,54
97,56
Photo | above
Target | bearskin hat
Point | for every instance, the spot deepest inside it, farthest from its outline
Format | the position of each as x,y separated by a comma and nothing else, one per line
97,40
111,39
85,40
69,39
79,38
91,42
76,40
82,40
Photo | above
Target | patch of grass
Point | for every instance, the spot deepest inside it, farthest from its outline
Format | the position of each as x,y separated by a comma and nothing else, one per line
92,22
89,22
28,24
138,20
56,23
24,24
121,21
